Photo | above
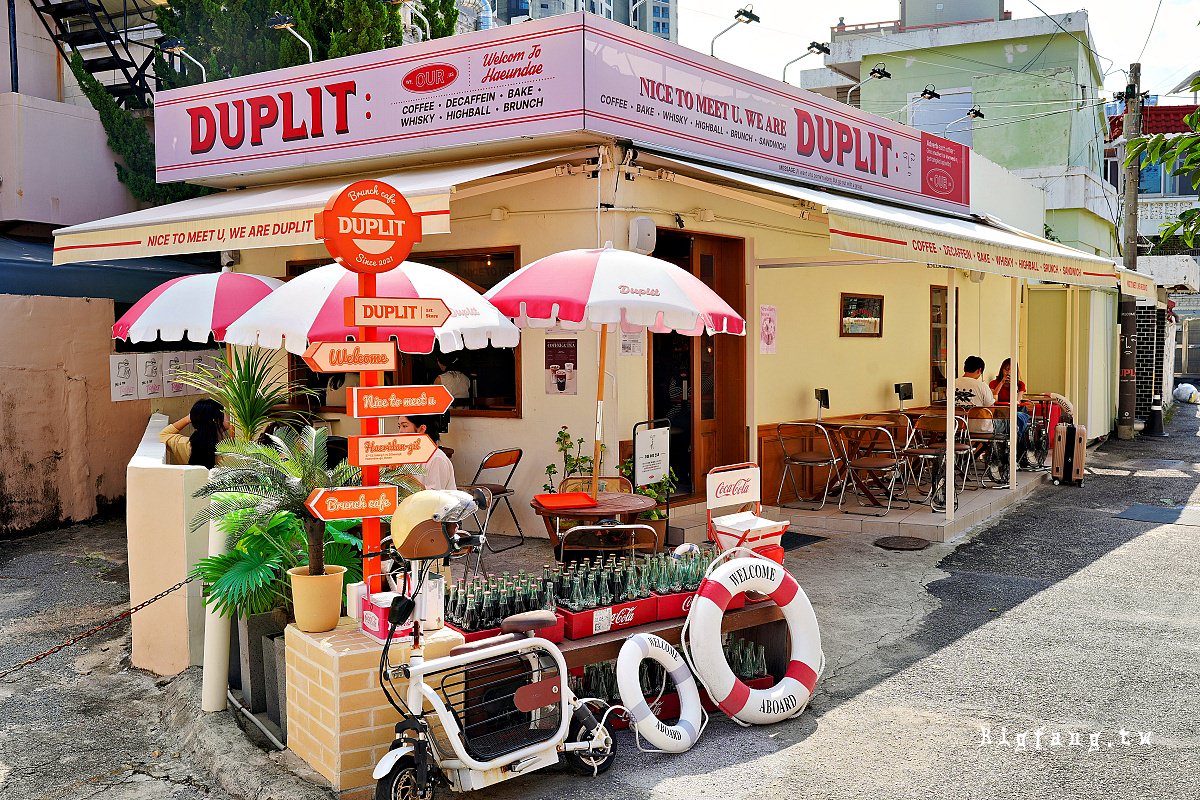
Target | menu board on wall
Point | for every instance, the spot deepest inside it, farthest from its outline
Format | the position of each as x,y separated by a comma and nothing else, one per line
562,357
122,382
149,370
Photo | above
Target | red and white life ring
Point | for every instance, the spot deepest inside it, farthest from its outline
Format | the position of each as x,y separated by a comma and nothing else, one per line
677,738
791,694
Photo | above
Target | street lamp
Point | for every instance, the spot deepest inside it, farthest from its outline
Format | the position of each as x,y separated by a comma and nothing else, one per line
928,93
744,16
974,113
410,6
633,7
813,49
176,47
286,22
878,72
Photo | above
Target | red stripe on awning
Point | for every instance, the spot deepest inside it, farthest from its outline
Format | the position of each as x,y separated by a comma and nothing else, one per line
872,238
103,244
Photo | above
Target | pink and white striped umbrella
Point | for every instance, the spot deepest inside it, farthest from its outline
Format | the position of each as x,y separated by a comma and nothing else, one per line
311,308
580,288
193,306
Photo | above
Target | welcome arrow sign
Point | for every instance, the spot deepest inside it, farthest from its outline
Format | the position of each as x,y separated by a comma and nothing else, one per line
351,356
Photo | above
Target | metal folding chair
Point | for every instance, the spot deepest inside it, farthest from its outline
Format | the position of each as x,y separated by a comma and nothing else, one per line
811,448
501,492
872,457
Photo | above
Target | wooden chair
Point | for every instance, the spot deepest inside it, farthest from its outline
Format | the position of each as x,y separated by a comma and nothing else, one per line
901,426
812,448
583,483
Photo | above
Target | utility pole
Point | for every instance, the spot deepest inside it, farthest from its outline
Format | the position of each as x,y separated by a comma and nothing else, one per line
1127,308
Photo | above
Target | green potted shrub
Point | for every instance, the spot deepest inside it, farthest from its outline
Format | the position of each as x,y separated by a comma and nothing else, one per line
660,492
251,385
574,462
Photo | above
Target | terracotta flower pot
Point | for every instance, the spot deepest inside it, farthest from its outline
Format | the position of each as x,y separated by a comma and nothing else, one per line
317,599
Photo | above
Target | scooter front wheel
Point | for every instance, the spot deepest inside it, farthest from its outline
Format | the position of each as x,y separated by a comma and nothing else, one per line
589,762
400,783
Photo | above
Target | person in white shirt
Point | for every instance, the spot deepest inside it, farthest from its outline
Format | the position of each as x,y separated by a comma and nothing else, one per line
457,383
971,391
438,472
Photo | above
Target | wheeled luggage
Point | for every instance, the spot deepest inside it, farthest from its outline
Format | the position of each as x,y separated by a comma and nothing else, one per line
1070,451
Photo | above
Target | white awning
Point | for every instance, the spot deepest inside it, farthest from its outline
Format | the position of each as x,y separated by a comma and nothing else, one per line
269,216
903,234
1137,284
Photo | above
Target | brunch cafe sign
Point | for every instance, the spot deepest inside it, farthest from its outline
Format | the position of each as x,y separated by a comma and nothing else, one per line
526,81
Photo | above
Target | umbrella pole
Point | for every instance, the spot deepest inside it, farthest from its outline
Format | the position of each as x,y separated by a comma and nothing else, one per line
599,411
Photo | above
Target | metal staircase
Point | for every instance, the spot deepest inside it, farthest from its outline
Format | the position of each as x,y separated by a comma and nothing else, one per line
100,32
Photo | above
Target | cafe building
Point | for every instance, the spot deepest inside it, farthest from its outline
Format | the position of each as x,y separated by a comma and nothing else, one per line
862,253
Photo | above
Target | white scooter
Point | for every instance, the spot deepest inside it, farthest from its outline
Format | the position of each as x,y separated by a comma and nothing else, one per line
488,711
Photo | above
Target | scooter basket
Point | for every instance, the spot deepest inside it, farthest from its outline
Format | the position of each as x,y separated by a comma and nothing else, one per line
483,698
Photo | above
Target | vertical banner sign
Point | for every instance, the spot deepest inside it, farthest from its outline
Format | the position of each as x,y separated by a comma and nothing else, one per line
368,228
562,356
652,449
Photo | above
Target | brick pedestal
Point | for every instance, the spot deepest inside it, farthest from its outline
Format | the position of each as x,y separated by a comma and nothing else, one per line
338,719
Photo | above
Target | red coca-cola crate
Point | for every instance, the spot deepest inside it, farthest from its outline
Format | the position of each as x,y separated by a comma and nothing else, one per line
582,624
665,708
551,634
676,606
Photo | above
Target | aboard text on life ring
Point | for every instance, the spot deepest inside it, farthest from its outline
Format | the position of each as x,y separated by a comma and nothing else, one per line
677,738
789,696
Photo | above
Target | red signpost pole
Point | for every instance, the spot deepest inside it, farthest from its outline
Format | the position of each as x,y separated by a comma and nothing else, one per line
368,427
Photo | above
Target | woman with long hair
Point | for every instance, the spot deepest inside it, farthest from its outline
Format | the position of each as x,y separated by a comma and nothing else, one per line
1001,388
438,472
207,419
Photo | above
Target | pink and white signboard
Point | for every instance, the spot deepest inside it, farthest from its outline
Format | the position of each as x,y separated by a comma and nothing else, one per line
566,74
734,487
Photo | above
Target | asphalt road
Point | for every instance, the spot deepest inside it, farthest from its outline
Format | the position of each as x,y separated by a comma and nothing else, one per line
1025,662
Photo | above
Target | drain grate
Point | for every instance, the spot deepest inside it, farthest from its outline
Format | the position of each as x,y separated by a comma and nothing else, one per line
902,543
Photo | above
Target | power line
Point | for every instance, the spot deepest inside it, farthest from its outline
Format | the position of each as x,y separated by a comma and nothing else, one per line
995,103
1073,36
1150,32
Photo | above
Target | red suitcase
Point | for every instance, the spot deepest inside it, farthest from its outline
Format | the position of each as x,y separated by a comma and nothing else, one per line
1070,451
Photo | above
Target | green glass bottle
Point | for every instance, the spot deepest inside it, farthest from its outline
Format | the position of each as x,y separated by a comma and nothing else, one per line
575,601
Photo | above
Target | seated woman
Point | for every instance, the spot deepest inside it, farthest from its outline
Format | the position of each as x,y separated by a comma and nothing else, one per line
1001,388
208,428
438,472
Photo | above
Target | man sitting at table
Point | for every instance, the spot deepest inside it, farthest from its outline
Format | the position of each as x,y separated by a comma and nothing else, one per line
971,392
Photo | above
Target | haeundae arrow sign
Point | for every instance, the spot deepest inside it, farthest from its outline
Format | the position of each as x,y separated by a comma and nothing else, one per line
396,312
350,356
396,401
352,502
390,449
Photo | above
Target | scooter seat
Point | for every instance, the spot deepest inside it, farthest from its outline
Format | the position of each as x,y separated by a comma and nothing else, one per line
528,622
480,644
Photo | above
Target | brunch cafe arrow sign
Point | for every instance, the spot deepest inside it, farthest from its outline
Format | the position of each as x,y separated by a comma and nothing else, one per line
350,356
353,502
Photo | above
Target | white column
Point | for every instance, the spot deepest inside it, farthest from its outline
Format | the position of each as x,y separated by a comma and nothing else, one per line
951,373
1013,382
214,681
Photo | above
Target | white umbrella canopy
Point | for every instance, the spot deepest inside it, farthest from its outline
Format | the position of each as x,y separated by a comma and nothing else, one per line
310,308
193,307
602,287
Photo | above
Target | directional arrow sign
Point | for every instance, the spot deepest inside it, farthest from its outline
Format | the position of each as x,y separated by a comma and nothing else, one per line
350,356
396,312
389,450
398,401
352,502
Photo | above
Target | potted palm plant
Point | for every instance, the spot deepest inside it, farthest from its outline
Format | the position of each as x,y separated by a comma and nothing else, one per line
251,386
264,485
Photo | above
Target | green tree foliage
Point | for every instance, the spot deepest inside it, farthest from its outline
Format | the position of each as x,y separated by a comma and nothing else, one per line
363,26
129,138
1180,155
443,16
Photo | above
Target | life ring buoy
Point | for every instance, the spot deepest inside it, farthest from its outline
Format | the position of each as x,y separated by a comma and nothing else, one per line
677,738
788,697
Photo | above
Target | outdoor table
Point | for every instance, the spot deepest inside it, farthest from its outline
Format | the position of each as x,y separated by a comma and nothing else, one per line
621,506
864,483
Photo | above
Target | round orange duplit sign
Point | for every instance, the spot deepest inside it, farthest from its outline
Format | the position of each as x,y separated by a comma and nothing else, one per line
368,227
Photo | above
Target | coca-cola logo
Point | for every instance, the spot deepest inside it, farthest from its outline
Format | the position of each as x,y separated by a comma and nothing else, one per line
738,487
430,77
687,602
638,290
939,181
624,616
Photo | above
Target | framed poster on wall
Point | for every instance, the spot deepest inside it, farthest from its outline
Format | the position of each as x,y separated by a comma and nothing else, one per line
861,315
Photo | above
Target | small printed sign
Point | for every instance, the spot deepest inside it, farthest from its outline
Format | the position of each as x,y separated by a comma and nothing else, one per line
353,502
351,356
390,449
396,312
149,370
396,401
768,326
122,383
633,344
652,448
734,487
562,356
172,363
